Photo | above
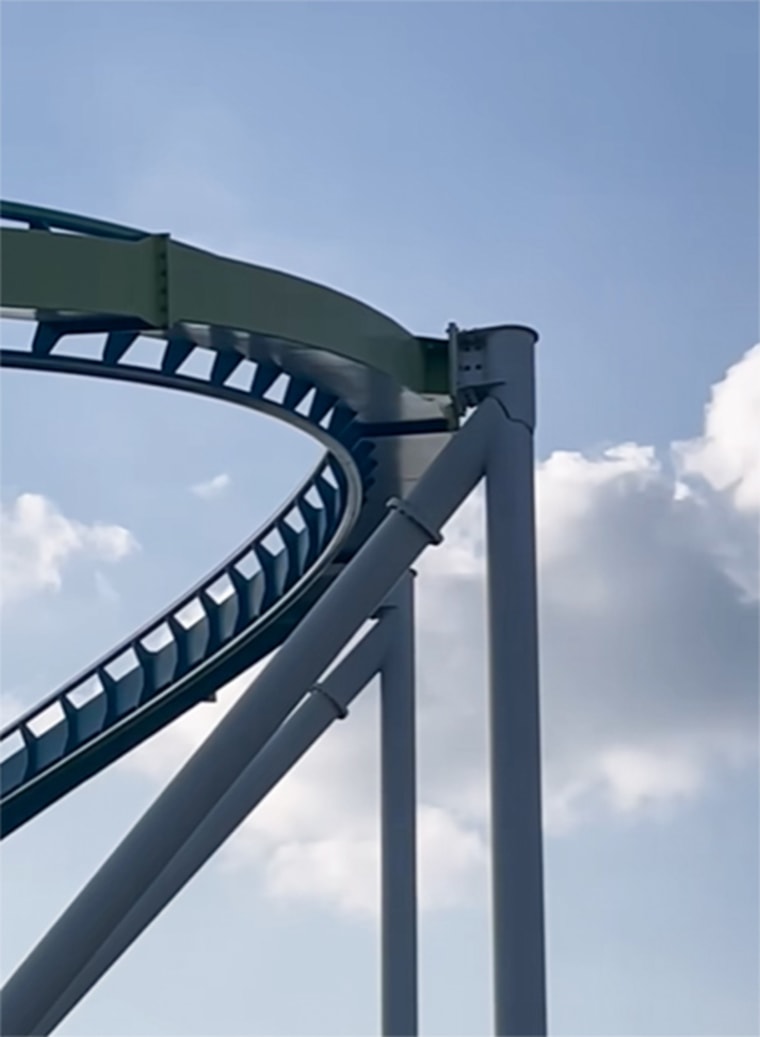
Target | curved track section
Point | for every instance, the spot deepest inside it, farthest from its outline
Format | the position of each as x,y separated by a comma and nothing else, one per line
248,605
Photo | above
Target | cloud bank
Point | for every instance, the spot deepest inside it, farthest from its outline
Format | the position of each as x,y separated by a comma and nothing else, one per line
727,456
648,574
37,542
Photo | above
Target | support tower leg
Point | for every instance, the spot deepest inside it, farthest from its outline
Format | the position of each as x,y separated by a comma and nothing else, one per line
517,864
398,817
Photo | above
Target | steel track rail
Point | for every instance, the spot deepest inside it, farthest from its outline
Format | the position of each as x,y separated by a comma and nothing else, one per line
238,613
249,604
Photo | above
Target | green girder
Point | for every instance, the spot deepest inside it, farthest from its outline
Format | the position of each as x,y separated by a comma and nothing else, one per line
161,283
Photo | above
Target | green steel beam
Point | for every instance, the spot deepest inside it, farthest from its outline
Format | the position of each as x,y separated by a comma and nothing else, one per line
161,282
69,274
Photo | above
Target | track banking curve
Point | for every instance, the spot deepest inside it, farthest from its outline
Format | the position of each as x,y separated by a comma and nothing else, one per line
114,302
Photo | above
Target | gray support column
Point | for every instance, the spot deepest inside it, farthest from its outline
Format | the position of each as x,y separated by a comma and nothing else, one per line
137,862
328,702
398,817
516,836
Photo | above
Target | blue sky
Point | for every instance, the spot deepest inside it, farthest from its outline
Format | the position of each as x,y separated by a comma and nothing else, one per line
590,169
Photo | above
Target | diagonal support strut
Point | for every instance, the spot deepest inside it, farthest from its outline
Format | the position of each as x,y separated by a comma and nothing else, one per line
102,906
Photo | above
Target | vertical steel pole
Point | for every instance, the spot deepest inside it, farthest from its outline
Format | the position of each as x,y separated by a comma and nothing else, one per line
398,816
517,865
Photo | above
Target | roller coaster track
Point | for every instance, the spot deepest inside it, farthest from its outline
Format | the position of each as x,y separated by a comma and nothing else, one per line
113,302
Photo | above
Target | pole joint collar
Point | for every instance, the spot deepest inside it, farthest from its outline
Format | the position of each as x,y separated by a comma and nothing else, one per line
340,710
404,508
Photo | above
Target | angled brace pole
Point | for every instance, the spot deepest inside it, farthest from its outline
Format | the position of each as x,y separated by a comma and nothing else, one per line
398,816
104,903
327,702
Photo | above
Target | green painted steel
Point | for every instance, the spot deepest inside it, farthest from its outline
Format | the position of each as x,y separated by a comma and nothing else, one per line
382,391
161,283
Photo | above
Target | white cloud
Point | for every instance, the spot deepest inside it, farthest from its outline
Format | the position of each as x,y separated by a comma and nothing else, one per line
649,658
213,487
634,776
315,837
37,541
343,867
649,625
727,456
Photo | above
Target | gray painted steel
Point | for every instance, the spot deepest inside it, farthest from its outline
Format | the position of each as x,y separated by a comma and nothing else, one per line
43,978
516,846
393,406
398,817
293,739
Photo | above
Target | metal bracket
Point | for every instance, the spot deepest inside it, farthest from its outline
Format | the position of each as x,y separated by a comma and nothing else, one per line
494,361
468,368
